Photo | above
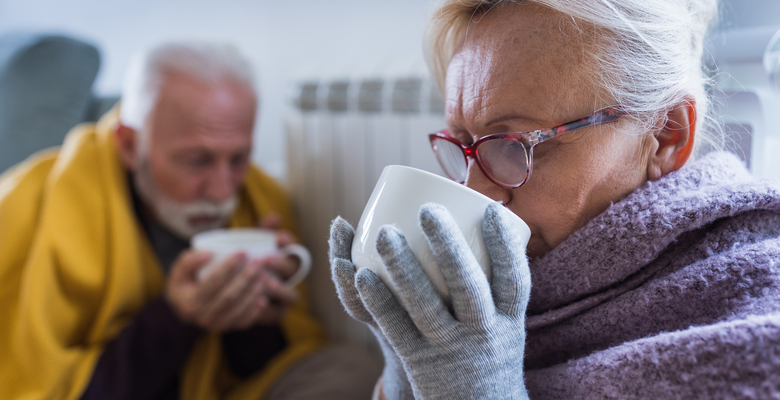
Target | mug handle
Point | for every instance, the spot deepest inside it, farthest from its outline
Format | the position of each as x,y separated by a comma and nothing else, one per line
303,254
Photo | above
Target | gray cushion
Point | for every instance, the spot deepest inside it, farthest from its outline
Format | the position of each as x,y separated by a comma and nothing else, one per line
98,106
45,90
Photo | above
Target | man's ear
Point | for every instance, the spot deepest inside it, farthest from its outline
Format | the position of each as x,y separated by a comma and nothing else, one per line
674,140
127,145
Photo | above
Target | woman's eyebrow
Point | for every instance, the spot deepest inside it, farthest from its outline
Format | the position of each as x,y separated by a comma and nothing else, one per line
513,117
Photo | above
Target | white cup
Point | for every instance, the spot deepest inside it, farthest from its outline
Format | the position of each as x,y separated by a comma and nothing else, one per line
396,200
256,243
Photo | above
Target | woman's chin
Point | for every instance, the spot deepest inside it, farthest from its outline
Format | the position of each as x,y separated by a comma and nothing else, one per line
537,247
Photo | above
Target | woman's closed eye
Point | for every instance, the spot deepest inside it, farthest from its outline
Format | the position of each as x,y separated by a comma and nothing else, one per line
461,135
543,149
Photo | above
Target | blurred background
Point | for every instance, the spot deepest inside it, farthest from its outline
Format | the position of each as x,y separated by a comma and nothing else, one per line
287,41
343,86
284,40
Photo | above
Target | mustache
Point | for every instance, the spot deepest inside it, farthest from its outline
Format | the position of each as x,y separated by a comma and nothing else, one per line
209,208
183,218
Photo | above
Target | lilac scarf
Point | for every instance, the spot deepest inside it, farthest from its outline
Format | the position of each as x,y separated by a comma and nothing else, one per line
673,292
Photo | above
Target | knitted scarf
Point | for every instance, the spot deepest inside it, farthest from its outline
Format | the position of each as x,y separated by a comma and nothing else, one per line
673,292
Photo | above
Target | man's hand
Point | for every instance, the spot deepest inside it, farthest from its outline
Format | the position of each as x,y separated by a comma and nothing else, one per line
279,298
239,293
231,298
283,266
279,268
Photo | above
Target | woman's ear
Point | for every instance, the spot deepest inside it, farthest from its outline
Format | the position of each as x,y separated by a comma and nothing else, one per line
674,140
127,144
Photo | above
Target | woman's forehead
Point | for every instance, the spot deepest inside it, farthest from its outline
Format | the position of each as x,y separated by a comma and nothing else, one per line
521,57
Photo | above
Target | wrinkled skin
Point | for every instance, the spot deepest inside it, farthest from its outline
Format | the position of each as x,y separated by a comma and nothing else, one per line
525,67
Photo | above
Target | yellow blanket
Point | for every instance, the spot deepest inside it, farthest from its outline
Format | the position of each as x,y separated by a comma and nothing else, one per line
75,267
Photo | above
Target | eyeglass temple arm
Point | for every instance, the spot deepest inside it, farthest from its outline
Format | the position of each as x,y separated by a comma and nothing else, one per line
600,117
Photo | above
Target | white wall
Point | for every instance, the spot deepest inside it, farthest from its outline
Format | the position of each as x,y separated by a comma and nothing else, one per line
285,40
736,14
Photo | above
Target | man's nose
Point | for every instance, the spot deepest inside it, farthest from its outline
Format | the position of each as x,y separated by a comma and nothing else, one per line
220,185
477,180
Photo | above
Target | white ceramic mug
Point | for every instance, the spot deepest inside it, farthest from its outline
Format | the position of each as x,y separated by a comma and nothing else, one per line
396,200
256,243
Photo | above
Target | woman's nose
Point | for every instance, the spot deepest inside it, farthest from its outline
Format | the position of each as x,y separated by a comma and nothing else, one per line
477,180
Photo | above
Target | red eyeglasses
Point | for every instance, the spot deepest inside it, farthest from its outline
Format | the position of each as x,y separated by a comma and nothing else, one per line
505,158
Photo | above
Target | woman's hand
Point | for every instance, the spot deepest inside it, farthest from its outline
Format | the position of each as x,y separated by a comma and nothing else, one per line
477,353
396,385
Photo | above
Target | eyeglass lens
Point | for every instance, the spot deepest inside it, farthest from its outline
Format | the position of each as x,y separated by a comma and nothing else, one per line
452,159
504,160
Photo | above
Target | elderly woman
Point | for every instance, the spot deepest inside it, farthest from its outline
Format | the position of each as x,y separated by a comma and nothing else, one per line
653,276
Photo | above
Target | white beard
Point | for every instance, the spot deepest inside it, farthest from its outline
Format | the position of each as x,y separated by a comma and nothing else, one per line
181,218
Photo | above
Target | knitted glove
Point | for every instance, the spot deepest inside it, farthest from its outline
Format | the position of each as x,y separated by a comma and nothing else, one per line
475,352
395,384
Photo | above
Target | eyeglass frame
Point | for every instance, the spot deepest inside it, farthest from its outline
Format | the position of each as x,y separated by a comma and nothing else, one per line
528,140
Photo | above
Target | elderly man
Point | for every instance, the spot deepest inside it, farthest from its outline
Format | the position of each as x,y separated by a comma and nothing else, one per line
99,293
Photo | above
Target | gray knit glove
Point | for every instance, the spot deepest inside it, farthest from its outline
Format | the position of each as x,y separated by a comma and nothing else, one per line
395,384
475,352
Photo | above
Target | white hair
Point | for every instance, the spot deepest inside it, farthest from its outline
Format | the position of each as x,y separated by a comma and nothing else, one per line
203,61
648,53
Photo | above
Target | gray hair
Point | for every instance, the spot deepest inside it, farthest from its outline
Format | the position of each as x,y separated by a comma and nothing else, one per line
204,61
648,56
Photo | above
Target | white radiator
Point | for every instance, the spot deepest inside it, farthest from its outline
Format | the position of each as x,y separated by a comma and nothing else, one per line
339,138
748,63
